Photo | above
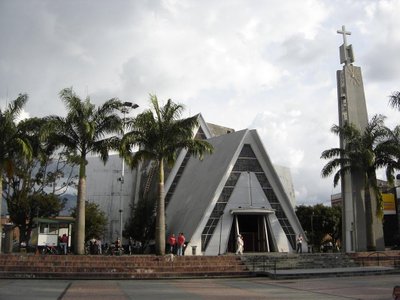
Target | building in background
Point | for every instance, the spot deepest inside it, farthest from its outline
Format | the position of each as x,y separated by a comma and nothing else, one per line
391,213
234,190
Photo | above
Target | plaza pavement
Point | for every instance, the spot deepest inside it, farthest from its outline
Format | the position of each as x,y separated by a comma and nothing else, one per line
357,287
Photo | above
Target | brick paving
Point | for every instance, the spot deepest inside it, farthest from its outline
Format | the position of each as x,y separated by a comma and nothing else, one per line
94,290
359,287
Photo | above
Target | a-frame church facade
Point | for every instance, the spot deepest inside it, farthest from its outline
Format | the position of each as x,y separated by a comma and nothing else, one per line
233,190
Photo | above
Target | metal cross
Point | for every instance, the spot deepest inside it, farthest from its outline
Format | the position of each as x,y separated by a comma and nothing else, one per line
344,33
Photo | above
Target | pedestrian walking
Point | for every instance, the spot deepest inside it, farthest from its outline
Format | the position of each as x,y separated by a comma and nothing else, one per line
239,244
172,243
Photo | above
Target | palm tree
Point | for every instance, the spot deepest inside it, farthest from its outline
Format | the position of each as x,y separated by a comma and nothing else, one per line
363,153
394,100
12,142
84,130
389,153
160,134
394,138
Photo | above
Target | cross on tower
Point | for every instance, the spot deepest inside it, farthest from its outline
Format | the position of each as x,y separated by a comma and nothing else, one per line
344,33
346,51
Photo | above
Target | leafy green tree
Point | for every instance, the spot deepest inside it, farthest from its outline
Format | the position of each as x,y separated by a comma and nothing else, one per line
363,153
318,221
96,221
85,130
35,186
141,224
160,133
12,142
23,208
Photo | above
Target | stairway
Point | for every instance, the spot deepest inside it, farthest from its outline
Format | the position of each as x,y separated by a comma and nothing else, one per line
389,258
307,265
119,267
280,261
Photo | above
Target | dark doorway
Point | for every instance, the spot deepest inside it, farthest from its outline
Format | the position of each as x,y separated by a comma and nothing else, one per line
252,228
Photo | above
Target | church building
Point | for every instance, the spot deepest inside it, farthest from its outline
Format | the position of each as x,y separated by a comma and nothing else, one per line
235,190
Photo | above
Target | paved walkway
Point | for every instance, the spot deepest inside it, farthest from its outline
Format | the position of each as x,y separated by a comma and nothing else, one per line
335,272
360,287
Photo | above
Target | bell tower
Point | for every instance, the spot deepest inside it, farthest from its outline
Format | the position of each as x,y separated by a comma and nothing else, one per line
353,109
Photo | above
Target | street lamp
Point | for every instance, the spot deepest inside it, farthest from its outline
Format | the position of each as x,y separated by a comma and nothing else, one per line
312,231
396,201
221,214
250,194
124,110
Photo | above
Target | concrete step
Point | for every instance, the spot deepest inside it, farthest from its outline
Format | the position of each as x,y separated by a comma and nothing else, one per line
102,267
306,265
297,261
329,272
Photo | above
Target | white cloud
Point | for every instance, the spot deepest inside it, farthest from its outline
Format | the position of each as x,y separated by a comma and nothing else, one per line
269,65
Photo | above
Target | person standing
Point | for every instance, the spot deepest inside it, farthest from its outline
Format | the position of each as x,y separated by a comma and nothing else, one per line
299,244
239,244
131,245
172,243
64,243
180,244
99,246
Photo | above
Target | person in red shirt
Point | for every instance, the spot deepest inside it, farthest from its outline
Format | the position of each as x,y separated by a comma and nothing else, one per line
181,243
64,243
172,243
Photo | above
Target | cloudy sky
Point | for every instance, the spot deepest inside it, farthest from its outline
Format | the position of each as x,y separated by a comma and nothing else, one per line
266,65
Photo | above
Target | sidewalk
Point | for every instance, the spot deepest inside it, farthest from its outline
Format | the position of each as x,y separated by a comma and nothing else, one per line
334,288
329,272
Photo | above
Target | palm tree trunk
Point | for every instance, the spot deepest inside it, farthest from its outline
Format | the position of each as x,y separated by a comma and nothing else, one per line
374,216
1,204
369,194
81,201
160,218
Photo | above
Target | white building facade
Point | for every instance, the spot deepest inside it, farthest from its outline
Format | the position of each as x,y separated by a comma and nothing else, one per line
235,190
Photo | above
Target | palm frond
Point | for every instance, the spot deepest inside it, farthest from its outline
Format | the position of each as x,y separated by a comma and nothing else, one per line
394,100
15,107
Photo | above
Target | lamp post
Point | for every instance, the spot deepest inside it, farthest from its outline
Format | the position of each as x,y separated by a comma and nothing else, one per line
396,201
312,231
250,194
124,110
221,214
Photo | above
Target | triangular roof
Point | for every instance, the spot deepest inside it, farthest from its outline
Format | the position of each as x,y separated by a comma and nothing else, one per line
199,185
202,183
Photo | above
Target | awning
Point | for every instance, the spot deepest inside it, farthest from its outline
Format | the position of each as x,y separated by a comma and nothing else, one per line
66,220
251,211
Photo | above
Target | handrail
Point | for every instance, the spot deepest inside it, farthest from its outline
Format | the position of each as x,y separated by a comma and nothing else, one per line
380,257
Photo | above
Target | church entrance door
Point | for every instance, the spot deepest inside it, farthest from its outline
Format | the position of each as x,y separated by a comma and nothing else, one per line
255,232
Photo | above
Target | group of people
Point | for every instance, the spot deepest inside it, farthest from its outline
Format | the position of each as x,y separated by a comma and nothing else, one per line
177,244
95,246
134,247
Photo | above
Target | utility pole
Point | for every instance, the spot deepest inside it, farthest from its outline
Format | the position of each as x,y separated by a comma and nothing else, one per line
125,110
